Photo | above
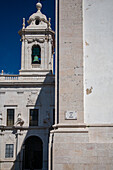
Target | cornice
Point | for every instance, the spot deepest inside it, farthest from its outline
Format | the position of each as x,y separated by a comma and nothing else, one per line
25,84
3,128
34,31
81,125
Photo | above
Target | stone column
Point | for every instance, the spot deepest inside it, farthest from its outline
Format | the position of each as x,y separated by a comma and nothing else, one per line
69,105
50,53
46,53
26,55
70,62
23,53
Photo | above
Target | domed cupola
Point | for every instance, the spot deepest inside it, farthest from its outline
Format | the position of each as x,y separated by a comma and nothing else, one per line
38,19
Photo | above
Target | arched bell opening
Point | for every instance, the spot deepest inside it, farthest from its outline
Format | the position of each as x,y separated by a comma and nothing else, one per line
36,54
33,154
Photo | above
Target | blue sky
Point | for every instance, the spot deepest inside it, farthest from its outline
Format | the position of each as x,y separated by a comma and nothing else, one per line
12,13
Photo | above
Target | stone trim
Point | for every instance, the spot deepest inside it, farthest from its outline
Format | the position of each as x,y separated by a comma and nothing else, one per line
70,131
35,31
7,161
10,105
3,128
100,125
33,105
69,126
21,84
56,126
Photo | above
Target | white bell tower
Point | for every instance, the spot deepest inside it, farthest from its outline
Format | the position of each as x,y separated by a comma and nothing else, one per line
37,44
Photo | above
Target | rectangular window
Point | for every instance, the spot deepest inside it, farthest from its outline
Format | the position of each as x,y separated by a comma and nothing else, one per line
9,151
33,119
10,117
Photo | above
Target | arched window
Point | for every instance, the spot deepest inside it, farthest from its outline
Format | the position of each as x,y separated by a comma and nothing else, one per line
36,54
37,22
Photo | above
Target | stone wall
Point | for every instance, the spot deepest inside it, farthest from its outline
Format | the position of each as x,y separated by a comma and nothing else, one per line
70,59
85,40
98,61
91,149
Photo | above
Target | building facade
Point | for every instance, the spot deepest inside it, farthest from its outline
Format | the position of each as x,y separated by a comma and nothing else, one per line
27,99
82,138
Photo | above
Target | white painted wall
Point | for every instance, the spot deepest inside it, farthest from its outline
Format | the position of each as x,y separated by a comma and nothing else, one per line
98,60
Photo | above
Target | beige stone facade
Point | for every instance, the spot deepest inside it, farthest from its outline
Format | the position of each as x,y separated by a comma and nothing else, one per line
27,100
82,138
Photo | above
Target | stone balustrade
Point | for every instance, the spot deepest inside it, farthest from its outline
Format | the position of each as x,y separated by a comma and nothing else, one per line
11,77
26,78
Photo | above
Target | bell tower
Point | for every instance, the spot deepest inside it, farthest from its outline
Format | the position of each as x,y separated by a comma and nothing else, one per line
37,44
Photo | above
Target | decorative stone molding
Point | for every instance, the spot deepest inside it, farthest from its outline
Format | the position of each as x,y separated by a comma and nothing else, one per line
41,40
39,18
10,105
19,120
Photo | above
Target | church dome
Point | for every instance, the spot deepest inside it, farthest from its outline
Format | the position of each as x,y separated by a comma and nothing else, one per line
38,15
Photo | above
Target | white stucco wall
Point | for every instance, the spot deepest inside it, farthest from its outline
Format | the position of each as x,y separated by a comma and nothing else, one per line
98,60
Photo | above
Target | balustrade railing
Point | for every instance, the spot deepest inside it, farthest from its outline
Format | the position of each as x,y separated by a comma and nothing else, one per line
21,78
11,77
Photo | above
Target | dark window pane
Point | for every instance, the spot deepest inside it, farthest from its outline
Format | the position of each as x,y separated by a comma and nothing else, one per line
9,151
10,117
37,22
33,117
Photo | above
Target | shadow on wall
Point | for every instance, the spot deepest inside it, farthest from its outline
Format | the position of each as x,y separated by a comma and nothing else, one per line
34,149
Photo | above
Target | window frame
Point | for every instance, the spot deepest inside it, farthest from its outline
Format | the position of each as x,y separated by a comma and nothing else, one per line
13,117
9,152
31,121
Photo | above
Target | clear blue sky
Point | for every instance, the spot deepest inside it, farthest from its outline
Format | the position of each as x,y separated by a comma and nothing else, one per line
12,13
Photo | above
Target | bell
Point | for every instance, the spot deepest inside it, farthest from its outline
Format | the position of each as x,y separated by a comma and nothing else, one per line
36,58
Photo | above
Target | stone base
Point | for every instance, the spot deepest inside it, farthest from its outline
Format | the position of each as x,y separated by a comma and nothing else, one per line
89,148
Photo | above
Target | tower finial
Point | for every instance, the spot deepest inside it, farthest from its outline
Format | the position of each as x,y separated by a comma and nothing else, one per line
49,24
2,72
23,23
39,5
